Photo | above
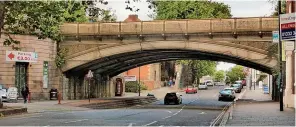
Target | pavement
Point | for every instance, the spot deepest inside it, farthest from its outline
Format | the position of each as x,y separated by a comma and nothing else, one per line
265,113
123,116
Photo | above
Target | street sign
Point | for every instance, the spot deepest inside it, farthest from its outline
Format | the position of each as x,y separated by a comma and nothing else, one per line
45,74
275,36
289,45
90,74
288,26
20,56
130,78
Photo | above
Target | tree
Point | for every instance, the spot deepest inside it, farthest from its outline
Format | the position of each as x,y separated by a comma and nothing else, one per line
236,73
276,7
43,19
199,68
219,75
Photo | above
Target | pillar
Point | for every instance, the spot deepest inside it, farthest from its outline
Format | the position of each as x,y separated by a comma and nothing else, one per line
288,96
65,88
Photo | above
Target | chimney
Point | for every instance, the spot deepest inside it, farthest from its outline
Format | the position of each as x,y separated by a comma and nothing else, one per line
132,18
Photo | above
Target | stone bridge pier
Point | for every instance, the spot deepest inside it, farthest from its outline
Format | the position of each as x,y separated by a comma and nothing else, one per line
78,86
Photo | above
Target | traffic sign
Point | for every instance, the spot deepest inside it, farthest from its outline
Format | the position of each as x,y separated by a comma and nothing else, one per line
90,74
275,36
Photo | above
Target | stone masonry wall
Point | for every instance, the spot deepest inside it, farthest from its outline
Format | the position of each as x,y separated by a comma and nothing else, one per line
46,50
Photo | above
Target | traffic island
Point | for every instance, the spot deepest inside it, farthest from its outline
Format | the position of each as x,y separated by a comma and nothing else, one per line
6,111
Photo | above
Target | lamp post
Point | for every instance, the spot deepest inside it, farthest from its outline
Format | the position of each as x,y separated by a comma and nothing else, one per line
280,59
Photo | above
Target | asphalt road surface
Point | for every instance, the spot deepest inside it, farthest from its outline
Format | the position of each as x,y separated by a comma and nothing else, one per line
128,117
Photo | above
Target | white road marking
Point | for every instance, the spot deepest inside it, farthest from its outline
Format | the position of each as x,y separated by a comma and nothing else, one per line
166,117
131,124
168,111
150,123
161,126
202,113
76,121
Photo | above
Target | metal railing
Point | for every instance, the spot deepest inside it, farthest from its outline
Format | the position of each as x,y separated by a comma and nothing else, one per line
189,26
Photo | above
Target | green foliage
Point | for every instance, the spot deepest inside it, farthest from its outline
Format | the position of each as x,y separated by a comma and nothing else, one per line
43,19
236,73
60,59
189,9
275,4
200,67
219,75
261,77
133,86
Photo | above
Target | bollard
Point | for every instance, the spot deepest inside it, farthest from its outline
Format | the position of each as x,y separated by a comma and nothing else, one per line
59,98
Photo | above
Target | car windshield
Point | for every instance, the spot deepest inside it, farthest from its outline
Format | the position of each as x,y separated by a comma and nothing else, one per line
235,85
225,91
171,94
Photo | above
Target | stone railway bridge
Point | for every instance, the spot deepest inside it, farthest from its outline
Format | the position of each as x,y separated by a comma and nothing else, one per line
109,49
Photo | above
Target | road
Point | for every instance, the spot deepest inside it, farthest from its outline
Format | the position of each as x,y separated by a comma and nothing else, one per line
128,117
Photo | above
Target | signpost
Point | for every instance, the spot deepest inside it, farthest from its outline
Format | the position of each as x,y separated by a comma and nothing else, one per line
275,36
12,93
287,22
89,76
130,78
45,74
19,56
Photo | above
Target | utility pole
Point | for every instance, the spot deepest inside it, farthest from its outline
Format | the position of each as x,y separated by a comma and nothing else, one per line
280,58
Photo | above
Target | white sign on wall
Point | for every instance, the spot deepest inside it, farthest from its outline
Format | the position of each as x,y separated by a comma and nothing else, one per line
20,56
130,78
275,36
12,93
289,45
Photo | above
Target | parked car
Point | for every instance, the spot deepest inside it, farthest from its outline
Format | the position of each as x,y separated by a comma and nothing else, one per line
3,94
191,89
173,97
237,88
239,82
226,95
244,83
202,86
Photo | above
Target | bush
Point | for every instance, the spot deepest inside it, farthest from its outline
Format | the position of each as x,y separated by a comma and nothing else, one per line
133,86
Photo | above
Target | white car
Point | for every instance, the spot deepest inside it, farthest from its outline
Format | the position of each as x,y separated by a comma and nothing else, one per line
202,86
3,95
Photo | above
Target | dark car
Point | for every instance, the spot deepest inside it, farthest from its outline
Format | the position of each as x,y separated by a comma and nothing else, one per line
239,82
174,98
237,88
226,94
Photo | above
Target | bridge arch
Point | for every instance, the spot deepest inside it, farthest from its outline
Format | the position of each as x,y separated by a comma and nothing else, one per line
114,59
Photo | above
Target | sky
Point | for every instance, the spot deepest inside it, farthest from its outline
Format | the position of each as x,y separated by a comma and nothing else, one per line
239,8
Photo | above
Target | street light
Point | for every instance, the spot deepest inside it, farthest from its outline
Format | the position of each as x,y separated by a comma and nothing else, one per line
280,59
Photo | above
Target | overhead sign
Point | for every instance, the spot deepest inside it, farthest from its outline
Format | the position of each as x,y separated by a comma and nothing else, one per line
275,36
289,45
130,78
90,74
288,26
20,56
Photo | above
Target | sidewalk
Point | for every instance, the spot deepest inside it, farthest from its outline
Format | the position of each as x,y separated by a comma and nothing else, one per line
46,106
158,93
256,94
265,113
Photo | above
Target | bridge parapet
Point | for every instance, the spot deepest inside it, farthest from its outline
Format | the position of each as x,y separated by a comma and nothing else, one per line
189,26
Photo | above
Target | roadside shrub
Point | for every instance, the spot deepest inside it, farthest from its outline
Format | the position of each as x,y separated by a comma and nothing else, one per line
133,86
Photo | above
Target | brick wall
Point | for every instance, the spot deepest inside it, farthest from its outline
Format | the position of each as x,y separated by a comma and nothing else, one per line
46,50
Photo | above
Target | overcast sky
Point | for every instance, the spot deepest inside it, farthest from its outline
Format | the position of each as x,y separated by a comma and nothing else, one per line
239,8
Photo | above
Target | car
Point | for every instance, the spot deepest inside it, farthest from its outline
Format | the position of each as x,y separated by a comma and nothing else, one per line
226,94
3,95
173,97
239,82
209,83
244,82
190,89
202,86
237,87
